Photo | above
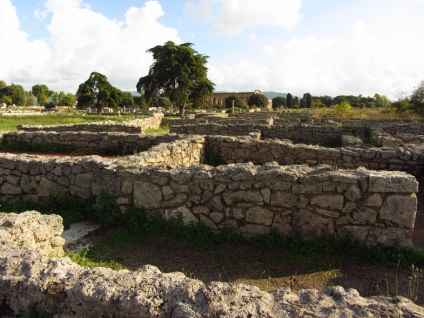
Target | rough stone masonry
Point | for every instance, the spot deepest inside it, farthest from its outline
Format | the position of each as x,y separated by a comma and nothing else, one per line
30,276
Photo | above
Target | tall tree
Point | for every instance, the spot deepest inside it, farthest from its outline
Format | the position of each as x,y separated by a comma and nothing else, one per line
289,100
2,84
417,97
96,92
279,101
42,93
306,101
178,72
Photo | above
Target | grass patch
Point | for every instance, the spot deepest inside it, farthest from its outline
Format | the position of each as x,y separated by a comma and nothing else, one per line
9,123
162,130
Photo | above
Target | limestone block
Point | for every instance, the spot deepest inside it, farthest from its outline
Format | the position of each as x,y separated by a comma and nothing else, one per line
8,188
216,217
334,202
208,223
347,141
259,215
400,210
216,203
147,194
84,180
127,187
364,216
307,188
175,201
220,188
201,210
283,199
349,207
235,213
374,200
282,223
310,224
242,196
28,184
266,194
353,193
327,213
47,188
187,217
392,182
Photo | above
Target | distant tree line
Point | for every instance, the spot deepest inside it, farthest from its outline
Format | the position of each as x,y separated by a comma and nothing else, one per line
39,95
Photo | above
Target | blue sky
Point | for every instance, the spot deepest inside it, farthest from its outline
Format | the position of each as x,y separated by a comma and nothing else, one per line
323,47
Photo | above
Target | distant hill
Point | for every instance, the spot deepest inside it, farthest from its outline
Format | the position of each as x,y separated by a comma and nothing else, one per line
272,95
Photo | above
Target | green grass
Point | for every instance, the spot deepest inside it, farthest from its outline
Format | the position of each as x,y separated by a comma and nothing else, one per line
9,123
162,130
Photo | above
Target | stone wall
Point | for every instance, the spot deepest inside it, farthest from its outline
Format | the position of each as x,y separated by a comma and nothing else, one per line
30,277
135,126
214,129
373,206
300,133
113,143
233,149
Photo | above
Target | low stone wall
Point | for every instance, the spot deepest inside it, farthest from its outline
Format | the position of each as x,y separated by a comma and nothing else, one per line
304,133
372,206
30,277
233,149
135,126
114,143
214,129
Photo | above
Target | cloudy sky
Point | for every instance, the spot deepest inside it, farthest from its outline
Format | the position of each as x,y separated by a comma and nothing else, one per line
329,47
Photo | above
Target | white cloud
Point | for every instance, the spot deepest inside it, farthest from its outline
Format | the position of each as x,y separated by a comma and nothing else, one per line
81,41
235,16
378,56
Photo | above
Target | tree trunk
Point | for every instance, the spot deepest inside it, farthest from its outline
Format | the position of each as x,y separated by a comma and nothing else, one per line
181,109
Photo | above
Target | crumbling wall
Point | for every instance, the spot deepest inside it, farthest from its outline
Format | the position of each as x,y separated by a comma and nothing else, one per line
30,277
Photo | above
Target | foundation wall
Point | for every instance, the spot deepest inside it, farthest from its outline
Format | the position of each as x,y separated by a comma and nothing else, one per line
232,149
375,207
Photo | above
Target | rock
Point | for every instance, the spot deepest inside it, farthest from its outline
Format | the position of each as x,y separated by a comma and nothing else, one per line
351,141
147,195
400,210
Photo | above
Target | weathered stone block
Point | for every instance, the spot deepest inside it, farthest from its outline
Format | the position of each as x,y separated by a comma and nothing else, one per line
259,215
334,202
392,182
283,199
400,210
147,194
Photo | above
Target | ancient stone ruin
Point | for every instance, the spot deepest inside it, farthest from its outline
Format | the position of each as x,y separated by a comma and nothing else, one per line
32,272
265,180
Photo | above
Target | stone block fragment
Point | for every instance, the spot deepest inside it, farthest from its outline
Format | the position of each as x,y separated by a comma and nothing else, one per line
400,210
